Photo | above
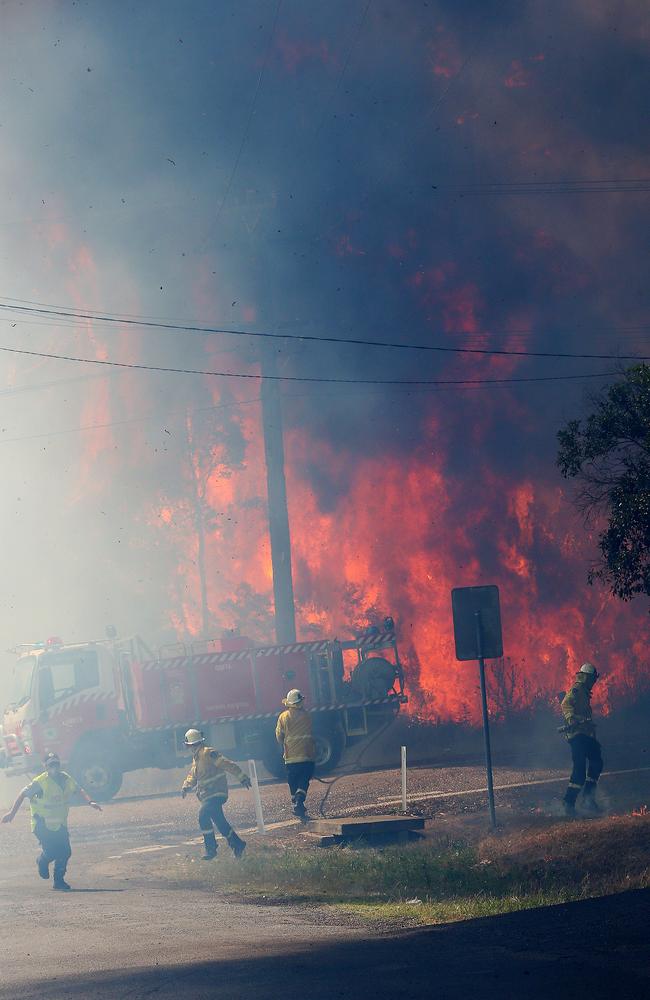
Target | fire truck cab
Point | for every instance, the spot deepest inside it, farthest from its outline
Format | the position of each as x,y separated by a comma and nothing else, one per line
64,698
112,706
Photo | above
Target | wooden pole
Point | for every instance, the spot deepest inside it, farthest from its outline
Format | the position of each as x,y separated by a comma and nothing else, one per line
285,615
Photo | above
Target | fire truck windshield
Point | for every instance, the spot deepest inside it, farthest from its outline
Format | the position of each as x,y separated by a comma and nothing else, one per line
20,682
66,673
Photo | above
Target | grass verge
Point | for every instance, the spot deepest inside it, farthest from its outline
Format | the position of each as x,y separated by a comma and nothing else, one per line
432,883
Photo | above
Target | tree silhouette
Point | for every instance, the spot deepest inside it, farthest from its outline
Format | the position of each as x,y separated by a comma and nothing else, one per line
608,454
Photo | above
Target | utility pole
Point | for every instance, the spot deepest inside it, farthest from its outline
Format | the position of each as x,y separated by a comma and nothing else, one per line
285,615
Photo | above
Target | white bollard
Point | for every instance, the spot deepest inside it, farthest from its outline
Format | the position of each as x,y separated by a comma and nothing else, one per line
252,771
404,779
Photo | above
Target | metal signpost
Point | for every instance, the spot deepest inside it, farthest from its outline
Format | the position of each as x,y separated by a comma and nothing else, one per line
477,634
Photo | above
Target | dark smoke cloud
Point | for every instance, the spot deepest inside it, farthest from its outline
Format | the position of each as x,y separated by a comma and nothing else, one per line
297,168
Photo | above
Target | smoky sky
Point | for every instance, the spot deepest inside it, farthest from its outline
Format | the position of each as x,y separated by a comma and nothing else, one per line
314,168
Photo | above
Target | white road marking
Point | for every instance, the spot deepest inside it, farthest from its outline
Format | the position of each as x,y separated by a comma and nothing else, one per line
197,840
417,797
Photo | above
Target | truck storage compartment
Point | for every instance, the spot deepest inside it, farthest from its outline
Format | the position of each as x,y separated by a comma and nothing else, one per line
191,689
278,672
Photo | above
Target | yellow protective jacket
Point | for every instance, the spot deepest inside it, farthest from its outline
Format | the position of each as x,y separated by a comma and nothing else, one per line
295,734
208,774
51,801
576,709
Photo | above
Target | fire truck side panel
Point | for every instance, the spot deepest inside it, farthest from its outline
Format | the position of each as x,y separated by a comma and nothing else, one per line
223,689
277,673
188,689
160,695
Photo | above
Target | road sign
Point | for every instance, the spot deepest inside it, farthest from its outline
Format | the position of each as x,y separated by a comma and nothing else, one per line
472,642
477,633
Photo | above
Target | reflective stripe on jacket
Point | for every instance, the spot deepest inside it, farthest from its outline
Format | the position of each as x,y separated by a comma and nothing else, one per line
50,801
576,709
208,774
294,732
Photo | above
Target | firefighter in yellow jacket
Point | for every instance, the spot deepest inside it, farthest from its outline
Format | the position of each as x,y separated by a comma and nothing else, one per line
49,797
294,733
208,778
580,731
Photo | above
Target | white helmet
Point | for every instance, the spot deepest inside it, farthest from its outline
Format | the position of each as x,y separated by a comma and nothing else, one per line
294,697
588,668
193,737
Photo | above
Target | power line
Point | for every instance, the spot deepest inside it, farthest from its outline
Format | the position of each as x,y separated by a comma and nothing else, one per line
302,378
128,420
616,186
14,390
153,415
115,320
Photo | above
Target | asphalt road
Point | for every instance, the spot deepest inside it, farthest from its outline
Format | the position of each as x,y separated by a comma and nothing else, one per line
148,810
128,935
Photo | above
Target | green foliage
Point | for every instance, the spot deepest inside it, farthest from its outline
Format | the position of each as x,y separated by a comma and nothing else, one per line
608,454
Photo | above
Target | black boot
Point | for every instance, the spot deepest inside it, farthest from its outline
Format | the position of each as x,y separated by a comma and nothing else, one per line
589,803
236,844
210,842
299,807
43,866
570,797
60,883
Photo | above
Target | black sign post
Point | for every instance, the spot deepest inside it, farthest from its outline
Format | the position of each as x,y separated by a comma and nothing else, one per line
477,634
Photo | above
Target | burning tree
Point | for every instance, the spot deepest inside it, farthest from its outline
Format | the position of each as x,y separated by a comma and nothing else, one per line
196,509
609,456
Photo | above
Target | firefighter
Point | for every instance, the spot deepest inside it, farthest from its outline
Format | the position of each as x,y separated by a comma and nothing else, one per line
580,731
295,735
208,778
49,797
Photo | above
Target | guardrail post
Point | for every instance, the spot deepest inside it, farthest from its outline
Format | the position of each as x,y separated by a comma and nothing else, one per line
404,808
252,771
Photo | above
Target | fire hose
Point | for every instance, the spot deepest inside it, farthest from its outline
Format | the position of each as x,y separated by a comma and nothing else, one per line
350,769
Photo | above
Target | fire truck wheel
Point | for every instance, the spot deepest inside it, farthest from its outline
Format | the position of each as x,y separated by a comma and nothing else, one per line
273,761
98,775
275,766
329,747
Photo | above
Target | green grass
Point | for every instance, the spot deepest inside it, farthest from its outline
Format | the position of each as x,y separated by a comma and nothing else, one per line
433,883
446,911
345,873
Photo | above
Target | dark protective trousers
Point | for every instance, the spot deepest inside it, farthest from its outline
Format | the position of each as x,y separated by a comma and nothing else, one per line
55,845
587,766
211,812
298,778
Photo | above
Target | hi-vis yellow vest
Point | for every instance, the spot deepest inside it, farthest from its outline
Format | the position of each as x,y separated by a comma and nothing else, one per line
54,802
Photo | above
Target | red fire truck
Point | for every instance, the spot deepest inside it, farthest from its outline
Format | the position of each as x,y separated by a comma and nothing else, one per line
113,706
